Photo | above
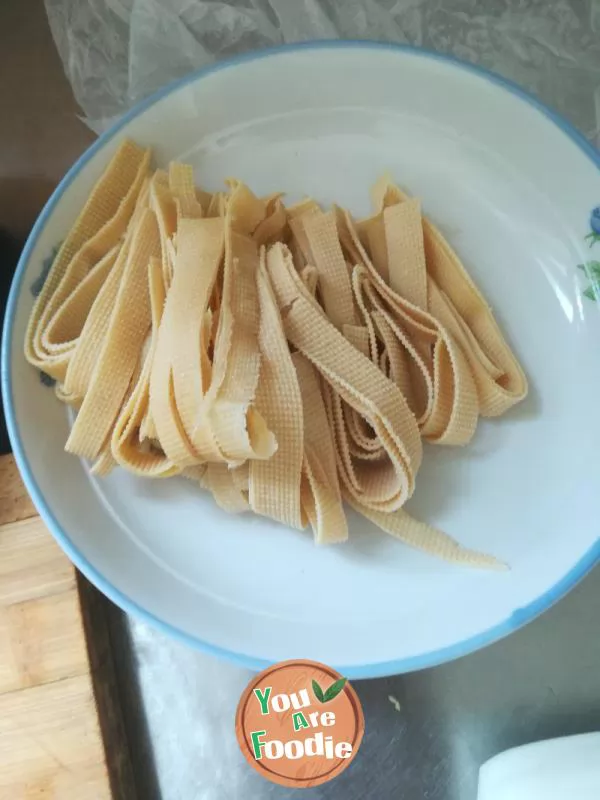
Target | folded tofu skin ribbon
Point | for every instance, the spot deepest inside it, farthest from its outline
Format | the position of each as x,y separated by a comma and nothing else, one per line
287,359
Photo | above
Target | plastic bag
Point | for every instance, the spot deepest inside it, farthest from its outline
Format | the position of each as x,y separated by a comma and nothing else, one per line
116,52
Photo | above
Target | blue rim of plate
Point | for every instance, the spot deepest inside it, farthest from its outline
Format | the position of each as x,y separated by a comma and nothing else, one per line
516,620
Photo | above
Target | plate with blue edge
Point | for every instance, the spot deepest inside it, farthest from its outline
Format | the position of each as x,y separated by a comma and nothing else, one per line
516,191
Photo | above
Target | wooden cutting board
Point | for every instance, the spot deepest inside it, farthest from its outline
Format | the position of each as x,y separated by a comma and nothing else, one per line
50,741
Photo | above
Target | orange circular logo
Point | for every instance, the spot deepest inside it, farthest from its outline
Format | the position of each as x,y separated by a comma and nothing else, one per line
299,723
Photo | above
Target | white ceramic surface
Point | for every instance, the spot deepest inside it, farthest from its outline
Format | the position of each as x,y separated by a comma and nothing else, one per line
512,188
552,770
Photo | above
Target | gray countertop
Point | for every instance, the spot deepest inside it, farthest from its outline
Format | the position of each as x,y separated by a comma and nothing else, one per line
541,682
426,733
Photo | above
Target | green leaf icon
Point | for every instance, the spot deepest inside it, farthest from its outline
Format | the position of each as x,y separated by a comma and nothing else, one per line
590,293
592,238
335,689
318,692
591,269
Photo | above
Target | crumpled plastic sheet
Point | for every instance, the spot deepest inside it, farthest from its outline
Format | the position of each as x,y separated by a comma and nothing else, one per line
116,52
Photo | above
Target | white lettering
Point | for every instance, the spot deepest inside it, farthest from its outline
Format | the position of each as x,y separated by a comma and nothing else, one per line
274,749
303,697
294,749
314,745
281,702
328,747
343,750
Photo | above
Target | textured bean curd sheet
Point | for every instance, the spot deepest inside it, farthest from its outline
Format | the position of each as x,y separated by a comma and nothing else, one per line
284,358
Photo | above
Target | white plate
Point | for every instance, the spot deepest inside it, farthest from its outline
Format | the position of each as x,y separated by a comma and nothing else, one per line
512,186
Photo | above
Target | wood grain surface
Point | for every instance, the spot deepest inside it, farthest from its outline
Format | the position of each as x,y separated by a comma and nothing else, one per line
50,742
15,503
